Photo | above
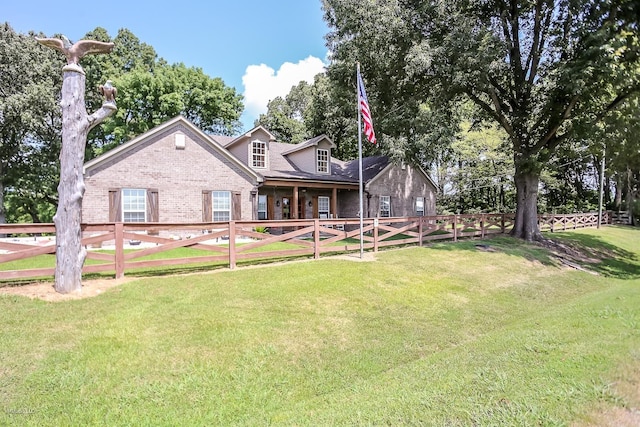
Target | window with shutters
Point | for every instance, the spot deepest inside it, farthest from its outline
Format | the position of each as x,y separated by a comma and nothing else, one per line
385,206
134,205
221,205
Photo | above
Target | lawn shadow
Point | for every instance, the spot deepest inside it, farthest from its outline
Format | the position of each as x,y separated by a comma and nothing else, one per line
601,256
586,252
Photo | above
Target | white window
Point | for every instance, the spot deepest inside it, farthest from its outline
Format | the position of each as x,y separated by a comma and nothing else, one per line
134,205
262,206
323,207
259,154
385,206
323,160
420,206
221,205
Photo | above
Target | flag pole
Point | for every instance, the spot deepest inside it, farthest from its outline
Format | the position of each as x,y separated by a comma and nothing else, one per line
360,162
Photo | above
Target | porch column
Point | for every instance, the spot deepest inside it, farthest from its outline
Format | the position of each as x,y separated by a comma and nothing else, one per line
334,202
294,203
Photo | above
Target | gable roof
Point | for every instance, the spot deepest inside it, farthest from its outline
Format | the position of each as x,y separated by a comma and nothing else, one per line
248,135
176,121
280,167
309,143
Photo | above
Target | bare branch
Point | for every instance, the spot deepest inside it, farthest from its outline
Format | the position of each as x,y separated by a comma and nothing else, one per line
552,133
100,115
498,116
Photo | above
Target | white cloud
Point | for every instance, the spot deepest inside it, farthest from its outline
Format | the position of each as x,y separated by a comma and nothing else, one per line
262,83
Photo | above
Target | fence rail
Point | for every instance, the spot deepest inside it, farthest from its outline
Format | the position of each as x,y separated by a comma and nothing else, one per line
121,247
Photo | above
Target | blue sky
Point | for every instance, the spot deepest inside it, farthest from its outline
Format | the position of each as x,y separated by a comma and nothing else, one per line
261,48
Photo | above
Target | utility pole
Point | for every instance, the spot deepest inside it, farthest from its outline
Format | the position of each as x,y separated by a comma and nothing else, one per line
601,193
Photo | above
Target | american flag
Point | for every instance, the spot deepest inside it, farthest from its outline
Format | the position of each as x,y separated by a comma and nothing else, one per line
364,109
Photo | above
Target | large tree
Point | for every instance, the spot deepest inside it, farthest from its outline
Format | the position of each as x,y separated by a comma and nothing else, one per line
149,98
30,123
532,67
149,91
285,116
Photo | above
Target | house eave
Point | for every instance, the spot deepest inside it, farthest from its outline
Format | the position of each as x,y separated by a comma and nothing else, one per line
158,129
309,183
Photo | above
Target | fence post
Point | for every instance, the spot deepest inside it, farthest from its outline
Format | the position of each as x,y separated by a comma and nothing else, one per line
420,222
375,234
502,223
316,238
455,228
119,242
232,244
482,221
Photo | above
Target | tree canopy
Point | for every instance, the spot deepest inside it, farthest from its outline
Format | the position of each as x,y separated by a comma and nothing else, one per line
535,68
30,126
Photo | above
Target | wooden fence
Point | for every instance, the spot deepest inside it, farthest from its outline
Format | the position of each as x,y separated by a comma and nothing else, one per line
120,247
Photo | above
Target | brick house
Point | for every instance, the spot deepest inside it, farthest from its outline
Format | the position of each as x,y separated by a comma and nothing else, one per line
177,173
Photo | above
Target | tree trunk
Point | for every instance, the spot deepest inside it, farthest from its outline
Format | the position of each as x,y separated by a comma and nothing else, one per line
3,217
618,202
526,221
70,253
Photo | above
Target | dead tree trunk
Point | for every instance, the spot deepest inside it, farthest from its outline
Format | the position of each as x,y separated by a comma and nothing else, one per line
70,254
76,124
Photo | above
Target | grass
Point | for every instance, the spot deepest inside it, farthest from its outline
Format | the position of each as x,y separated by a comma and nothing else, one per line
48,261
441,335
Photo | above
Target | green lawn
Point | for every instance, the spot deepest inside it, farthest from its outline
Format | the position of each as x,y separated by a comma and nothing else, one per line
442,335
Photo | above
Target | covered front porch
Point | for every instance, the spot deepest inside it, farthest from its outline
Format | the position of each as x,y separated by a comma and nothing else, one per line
284,199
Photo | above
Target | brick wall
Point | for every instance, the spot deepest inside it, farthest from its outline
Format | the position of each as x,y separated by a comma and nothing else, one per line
403,186
179,175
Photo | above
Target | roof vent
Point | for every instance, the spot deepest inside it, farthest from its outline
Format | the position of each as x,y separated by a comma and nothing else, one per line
180,141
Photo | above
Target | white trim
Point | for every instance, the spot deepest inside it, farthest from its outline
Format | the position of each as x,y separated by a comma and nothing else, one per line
265,154
328,210
327,160
380,206
313,142
214,210
249,134
144,202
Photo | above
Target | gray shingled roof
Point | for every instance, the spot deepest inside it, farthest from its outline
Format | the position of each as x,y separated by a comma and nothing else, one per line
281,167
305,144
341,171
371,167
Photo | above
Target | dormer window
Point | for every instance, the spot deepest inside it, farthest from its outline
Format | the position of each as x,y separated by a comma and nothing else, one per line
259,154
323,160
